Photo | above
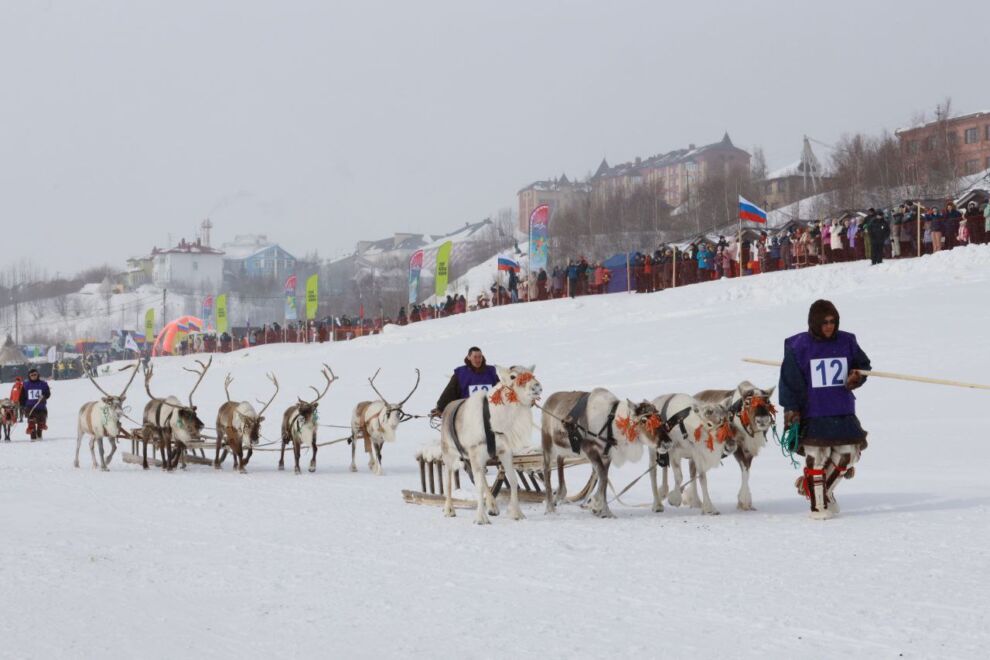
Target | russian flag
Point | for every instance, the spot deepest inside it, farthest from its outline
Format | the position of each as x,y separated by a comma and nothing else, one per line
750,211
504,263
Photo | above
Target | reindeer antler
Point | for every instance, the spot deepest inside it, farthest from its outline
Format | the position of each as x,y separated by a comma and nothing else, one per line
272,378
330,377
410,393
226,384
371,381
123,392
205,368
148,373
92,380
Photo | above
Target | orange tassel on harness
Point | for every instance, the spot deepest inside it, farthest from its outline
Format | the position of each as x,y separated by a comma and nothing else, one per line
626,427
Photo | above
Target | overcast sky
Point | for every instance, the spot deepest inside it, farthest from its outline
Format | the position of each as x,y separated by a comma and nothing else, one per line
321,123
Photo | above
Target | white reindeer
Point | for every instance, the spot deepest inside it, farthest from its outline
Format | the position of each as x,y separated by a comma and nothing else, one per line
376,422
299,424
489,425
752,415
101,419
601,427
702,434
170,424
239,426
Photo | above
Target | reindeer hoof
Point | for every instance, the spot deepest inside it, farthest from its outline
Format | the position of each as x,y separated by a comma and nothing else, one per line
482,521
605,514
674,499
297,471
242,471
353,468
518,515
75,464
710,512
104,469
742,506
449,512
312,468
658,508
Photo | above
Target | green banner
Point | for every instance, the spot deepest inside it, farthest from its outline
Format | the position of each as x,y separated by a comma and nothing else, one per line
149,328
443,269
222,318
312,296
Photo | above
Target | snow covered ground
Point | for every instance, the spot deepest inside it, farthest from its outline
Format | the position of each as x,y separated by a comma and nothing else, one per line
334,564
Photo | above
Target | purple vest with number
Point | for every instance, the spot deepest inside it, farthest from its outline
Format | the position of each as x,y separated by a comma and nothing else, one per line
471,381
825,365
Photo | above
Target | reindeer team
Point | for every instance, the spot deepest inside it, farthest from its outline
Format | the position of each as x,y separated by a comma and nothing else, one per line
488,427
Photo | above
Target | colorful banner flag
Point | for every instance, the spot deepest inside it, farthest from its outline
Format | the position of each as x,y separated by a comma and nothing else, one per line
149,323
290,284
415,266
222,317
504,263
539,247
748,211
130,344
291,313
312,296
443,269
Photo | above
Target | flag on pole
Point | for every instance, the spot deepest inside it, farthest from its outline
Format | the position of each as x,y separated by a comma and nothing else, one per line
312,296
130,344
443,269
222,316
415,266
149,324
504,263
748,211
290,284
539,221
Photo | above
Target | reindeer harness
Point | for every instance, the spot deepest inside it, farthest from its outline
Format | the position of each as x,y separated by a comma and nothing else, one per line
576,433
486,417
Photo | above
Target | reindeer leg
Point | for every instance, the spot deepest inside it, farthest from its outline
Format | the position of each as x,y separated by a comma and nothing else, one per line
657,501
601,464
481,481
448,501
92,451
144,460
561,482
281,458
664,486
376,458
674,498
113,448
510,475
79,436
354,441
745,499
312,461
216,457
692,500
245,459
547,485
706,503
296,451
103,460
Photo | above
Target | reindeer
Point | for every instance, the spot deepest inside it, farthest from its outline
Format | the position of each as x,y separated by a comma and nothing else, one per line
101,419
8,417
702,434
238,425
376,422
299,424
601,427
486,425
752,415
167,422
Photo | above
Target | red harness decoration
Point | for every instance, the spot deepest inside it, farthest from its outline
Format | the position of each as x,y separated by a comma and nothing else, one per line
524,378
496,396
627,427
723,433
755,401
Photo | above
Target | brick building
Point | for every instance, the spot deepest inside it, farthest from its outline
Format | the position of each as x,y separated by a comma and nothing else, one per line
966,138
555,192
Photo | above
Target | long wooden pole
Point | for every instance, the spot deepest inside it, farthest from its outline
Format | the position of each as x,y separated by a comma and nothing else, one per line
888,374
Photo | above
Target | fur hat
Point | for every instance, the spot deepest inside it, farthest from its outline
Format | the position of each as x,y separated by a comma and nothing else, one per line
820,310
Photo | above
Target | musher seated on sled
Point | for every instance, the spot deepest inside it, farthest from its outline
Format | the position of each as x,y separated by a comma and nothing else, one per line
34,403
476,374
819,372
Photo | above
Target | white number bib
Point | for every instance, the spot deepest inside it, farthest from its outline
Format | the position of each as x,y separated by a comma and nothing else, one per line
478,388
829,372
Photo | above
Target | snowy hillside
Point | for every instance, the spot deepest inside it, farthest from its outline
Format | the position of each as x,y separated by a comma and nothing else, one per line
334,564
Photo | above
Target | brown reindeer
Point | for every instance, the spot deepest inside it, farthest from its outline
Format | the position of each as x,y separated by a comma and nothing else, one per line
167,422
376,422
238,425
101,419
299,424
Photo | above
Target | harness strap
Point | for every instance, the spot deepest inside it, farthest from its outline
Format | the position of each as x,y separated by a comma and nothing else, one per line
577,413
676,420
453,426
607,429
486,417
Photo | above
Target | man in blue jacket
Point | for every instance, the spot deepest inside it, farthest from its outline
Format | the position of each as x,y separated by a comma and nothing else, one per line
475,375
819,372
34,400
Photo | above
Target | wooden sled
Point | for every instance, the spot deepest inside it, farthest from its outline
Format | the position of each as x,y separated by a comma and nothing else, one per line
135,457
529,470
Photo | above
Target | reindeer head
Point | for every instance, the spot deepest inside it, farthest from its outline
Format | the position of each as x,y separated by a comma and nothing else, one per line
754,408
114,403
391,415
644,425
715,424
187,426
517,384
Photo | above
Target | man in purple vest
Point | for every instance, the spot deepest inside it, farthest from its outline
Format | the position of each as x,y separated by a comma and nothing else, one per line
820,370
476,374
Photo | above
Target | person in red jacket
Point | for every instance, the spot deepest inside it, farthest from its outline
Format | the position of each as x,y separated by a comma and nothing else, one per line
15,396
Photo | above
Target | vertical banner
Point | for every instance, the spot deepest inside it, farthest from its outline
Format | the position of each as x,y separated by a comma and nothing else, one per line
291,313
443,269
222,318
539,221
415,266
312,296
207,308
149,327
